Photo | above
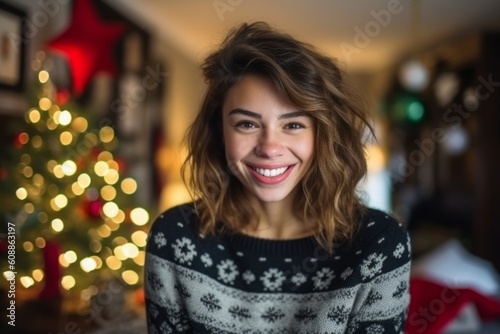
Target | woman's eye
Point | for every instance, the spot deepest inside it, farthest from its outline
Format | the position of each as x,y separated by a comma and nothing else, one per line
295,126
245,125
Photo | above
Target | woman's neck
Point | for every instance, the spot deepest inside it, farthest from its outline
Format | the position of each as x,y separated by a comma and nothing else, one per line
277,221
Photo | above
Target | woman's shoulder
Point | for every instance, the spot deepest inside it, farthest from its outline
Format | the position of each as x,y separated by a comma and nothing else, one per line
378,228
172,231
378,221
183,212
175,220
381,246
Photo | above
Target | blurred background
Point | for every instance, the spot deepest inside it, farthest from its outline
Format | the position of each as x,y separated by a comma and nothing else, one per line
96,95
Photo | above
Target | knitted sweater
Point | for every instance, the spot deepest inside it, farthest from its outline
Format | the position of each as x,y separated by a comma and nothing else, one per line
242,284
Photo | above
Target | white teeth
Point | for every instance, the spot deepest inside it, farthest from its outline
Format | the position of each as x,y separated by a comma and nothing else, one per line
271,172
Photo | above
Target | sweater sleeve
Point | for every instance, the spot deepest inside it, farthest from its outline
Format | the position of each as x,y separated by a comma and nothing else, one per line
383,299
164,310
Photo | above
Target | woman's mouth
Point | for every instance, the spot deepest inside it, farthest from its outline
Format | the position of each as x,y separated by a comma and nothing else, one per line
270,175
270,172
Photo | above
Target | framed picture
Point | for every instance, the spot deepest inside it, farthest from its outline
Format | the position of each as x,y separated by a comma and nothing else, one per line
12,47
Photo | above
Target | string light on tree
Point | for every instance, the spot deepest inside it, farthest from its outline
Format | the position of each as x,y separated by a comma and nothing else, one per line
72,202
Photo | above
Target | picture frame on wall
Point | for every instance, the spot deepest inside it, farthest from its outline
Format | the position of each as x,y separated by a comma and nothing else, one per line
12,47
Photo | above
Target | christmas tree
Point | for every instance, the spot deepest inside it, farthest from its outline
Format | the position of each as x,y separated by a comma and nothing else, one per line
66,193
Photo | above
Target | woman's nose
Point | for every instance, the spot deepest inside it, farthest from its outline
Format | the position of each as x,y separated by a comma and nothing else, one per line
269,145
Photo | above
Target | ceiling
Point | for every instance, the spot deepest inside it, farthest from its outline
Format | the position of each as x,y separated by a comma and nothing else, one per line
348,30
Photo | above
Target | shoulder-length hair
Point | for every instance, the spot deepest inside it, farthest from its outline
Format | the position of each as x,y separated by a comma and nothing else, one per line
313,83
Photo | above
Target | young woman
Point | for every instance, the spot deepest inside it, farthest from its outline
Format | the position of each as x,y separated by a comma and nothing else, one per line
276,240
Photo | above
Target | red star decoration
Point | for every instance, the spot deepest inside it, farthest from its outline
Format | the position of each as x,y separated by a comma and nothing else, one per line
88,44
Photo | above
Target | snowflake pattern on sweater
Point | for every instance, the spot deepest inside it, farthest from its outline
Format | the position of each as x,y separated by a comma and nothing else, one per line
241,284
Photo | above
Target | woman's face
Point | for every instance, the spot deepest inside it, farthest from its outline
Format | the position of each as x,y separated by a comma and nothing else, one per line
269,143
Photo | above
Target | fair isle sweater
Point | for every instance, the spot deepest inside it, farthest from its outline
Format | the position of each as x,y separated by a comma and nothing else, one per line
242,284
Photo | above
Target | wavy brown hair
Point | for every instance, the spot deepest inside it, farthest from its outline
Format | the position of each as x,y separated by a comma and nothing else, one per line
313,83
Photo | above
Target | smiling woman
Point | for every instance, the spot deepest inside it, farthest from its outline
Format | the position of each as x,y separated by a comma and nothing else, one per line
276,240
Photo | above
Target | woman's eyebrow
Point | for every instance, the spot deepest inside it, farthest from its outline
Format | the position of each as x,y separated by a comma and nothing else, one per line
294,114
249,113
245,112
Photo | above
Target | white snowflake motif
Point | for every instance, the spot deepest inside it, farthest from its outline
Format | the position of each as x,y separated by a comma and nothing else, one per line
165,328
160,240
207,260
185,251
298,279
375,329
323,278
353,326
372,265
248,276
399,251
273,279
227,271
346,273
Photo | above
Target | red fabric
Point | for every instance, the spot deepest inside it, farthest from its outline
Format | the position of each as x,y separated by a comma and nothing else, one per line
52,271
433,306
88,44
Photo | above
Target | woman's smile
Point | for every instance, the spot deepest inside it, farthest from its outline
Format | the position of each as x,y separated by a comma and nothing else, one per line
271,175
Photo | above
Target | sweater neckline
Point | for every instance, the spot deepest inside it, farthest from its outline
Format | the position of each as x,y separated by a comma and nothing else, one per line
277,247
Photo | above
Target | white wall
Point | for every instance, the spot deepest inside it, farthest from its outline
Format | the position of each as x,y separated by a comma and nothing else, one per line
183,93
